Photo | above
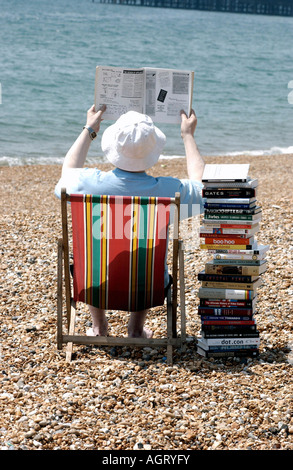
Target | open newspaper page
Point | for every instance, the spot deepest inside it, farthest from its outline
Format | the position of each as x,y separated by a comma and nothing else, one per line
159,93
167,92
121,89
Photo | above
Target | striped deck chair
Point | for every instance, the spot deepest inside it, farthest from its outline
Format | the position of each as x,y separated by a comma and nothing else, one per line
119,247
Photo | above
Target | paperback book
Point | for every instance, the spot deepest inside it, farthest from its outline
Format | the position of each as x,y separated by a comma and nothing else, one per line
215,267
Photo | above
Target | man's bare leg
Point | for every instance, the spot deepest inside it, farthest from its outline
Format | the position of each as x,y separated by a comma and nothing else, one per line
136,327
99,322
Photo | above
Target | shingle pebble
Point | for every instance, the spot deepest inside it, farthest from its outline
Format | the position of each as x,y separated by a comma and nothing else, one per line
124,398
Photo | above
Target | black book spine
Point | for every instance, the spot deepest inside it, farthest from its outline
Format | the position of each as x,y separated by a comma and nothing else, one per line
224,278
228,192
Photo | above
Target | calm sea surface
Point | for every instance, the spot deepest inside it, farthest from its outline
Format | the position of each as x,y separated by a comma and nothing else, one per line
49,50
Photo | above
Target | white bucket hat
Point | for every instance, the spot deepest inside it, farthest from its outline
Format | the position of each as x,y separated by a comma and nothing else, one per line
133,143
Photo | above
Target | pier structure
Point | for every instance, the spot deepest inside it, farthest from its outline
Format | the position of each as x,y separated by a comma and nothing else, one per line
257,7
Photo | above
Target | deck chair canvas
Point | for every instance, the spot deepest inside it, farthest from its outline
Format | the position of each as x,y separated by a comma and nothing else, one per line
119,250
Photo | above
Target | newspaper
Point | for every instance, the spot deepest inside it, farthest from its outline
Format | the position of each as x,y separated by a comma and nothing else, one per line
159,93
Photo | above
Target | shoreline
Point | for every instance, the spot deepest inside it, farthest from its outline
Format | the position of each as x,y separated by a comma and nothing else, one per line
6,161
124,398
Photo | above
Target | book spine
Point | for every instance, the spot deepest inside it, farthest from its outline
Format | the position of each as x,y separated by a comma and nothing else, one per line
216,318
230,209
228,223
214,311
228,322
231,348
225,278
225,248
226,240
230,285
238,262
237,251
220,293
230,200
224,334
230,217
243,341
226,226
242,237
216,186
215,303
229,192
225,180
220,270
248,353
216,330
207,231
235,255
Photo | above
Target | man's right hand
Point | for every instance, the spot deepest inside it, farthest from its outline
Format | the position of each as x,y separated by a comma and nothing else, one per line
188,124
94,117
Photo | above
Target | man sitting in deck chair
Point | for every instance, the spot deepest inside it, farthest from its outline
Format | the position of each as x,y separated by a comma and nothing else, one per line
133,144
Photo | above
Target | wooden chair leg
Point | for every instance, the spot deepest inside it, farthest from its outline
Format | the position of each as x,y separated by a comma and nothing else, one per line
59,295
71,330
169,328
182,296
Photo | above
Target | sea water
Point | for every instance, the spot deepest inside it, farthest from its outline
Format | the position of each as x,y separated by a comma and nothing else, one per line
243,68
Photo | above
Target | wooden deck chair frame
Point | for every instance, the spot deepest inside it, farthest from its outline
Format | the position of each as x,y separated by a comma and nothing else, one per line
171,341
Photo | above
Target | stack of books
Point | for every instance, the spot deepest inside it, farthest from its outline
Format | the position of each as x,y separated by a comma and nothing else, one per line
229,282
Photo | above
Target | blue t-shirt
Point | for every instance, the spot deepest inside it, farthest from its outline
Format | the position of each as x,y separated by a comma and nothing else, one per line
124,183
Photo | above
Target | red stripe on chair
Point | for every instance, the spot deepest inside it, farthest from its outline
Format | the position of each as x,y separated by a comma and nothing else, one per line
78,236
160,242
119,249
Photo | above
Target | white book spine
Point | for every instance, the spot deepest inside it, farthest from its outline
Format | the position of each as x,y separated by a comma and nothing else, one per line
237,341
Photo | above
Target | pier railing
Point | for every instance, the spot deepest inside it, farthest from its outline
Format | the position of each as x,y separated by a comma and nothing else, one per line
261,7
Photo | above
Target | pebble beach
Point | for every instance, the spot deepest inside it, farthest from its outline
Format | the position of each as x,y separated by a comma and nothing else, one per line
129,398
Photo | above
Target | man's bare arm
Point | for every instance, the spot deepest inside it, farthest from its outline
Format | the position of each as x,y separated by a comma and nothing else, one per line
76,155
194,161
